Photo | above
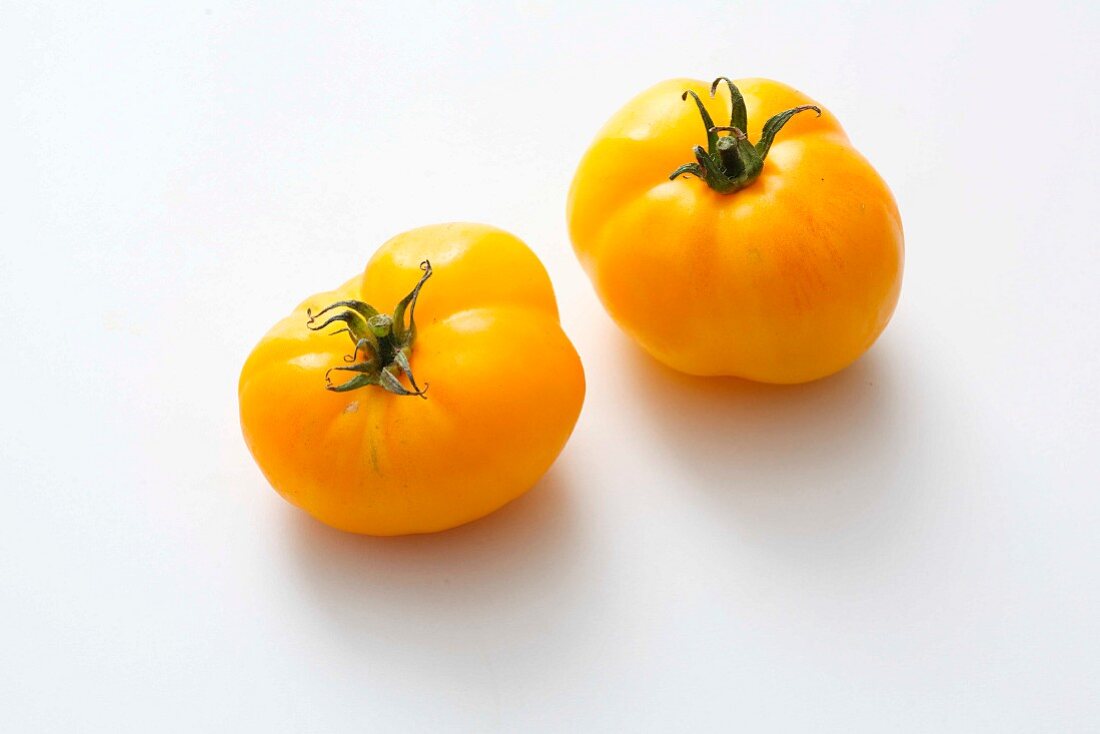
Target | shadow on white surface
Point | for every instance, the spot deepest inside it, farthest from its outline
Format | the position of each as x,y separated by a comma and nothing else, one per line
505,571
796,467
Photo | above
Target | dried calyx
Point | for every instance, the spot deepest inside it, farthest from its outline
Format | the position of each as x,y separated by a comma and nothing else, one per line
383,343
731,162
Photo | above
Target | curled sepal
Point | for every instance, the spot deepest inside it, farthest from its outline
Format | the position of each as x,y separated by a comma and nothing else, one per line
353,384
739,116
409,333
401,359
356,325
688,169
383,342
369,348
363,309
366,374
388,380
712,137
776,123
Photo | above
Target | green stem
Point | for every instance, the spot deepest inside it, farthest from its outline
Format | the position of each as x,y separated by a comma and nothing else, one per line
730,162
384,341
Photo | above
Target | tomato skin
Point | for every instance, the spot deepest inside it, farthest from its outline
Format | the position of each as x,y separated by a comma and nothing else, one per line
506,388
787,280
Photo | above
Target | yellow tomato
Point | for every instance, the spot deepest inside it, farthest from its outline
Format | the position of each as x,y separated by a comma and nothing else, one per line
778,262
340,427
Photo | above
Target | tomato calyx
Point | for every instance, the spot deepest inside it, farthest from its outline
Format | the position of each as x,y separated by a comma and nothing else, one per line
383,343
730,162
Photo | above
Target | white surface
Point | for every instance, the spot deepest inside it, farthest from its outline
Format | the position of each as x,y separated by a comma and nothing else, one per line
910,546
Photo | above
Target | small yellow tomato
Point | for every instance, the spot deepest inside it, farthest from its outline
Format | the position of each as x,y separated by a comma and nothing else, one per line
778,261
339,425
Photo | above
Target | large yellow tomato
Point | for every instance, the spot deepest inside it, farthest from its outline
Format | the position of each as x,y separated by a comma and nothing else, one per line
339,425
778,261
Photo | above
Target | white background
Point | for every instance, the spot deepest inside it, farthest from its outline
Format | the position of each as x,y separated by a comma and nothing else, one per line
909,546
